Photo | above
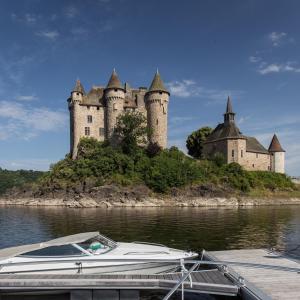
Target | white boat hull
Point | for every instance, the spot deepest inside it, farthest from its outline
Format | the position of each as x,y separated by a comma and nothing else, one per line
145,268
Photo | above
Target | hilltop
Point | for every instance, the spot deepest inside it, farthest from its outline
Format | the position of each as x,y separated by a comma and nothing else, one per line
105,175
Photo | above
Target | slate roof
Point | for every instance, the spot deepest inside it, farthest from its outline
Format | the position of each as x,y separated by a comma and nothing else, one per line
229,109
275,145
157,84
114,81
94,96
253,145
78,87
223,131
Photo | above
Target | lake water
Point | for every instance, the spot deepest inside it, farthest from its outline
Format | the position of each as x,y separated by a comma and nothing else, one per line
184,228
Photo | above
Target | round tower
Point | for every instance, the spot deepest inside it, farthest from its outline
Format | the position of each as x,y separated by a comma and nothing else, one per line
75,100
277,156
157,99
114,95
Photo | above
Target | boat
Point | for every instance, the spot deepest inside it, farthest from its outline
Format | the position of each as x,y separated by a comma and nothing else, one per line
91,253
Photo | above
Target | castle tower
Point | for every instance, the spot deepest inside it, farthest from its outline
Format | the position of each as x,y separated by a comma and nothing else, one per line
74,101
277,156
157,99
229,114
114,95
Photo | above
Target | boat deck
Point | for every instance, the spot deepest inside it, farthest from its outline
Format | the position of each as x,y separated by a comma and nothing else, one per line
208,281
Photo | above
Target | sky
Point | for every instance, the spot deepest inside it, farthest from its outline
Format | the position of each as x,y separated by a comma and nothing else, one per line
204,50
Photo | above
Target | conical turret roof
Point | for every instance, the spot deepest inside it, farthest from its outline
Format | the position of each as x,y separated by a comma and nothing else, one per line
78,87
114,81
275,145
229,109
157,84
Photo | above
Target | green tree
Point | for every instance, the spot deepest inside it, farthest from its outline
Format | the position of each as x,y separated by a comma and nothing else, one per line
131,131
194,142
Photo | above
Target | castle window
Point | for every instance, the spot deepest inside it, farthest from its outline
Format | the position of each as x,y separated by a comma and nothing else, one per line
253,165
101,131
256,155
77,94
156,121
88,107
98,107
136,100
232,153
89,119
87,131
242,154
114,106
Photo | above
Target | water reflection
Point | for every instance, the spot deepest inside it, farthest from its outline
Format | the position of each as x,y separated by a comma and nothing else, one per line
187,228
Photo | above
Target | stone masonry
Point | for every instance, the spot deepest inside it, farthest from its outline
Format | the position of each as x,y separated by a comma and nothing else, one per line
226,139
94,114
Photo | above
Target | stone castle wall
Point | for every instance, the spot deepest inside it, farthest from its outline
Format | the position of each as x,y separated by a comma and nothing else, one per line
80,114
157,117
115,104
234,150
117,101
277,162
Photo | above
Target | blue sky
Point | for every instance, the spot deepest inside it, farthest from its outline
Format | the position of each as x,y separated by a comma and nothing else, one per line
205,50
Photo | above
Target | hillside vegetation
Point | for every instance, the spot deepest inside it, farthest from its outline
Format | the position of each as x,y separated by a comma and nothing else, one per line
10,179
98,164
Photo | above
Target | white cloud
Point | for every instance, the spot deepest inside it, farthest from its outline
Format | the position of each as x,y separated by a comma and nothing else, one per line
25,122
277,68
51,35
185,88
277,38
189,88
26,98
254,59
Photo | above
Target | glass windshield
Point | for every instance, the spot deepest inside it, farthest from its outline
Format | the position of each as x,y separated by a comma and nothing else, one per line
98,245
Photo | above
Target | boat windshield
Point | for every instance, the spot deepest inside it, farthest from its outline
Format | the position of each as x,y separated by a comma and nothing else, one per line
98,245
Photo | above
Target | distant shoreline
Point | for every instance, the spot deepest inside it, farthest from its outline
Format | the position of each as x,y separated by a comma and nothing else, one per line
86,202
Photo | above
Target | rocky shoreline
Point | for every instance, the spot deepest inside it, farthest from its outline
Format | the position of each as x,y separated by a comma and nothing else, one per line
86,202
139,196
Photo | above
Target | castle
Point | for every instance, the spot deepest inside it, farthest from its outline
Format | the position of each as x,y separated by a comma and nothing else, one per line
94,114
227,140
